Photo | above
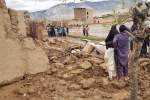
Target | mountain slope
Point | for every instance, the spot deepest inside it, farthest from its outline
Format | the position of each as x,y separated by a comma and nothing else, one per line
66,11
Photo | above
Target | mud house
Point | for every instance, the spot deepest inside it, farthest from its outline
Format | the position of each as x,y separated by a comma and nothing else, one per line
83,14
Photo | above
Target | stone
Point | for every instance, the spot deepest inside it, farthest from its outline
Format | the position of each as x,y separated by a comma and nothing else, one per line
59,65
20,91
62,82
31,91
88,48
51,88
86,65
70,59
141,60
96,61
77,71
67,75
103,65
74,87
87,83
145,64
107,96
105,81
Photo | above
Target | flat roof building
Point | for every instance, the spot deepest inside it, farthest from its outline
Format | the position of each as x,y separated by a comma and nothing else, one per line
83,14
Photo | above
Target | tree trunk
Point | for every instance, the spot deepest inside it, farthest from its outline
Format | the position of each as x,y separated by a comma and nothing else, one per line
135,69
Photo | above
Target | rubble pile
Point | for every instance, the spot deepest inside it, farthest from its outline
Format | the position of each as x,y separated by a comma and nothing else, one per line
144,79
71,76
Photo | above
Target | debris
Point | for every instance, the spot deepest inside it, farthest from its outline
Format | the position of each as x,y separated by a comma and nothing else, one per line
87,83
85,65
88,48
76,71
74,87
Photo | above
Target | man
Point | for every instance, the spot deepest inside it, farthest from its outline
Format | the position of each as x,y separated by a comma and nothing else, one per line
67,30
87,30
48,28
84,30
144,50
109,54
121,45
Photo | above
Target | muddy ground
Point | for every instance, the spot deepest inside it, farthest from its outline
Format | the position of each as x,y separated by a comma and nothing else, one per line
74,76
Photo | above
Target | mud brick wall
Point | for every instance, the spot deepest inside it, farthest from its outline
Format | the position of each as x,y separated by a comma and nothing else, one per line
19,55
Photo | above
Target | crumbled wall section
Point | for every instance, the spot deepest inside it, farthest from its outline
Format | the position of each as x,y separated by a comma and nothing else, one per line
36,59
19,55
2,4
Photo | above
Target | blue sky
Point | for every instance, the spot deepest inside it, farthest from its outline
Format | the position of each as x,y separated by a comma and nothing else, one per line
35,5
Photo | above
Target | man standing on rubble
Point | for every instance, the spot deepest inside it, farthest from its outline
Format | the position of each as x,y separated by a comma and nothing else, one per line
121,45
109,53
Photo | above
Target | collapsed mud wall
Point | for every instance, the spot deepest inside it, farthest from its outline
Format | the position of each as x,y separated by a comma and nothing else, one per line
37,30
19,54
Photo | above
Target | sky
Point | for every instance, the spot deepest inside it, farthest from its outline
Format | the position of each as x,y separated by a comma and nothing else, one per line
35,5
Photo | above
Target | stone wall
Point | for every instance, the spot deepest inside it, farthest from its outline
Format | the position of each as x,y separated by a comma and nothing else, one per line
19,55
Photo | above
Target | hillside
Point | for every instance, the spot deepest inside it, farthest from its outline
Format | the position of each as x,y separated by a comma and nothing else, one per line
65,11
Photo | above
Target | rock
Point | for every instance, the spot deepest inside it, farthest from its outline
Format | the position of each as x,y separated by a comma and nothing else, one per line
59,65
52,41
51,88
53,58
74,87
105,81
67,75
20,91
71,67
53,70
31,91
119,85
70,59
88,48
49,72
77,71
87,83
45,85
107,96
62,82
42,80
145,64
103,65
141,60
86,65
96,61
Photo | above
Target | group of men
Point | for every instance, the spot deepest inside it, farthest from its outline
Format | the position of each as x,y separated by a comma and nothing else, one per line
57,31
